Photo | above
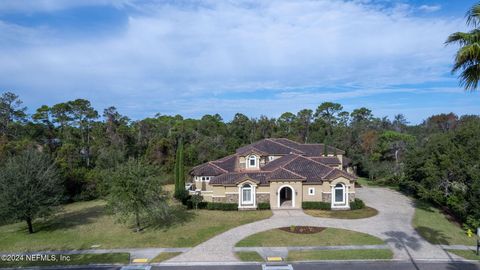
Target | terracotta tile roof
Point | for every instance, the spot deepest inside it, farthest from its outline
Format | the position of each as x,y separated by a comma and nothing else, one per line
293,164
227,163
207,169
284,174
234,178
327,160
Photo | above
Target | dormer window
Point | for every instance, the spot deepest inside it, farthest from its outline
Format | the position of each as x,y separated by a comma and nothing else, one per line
252,161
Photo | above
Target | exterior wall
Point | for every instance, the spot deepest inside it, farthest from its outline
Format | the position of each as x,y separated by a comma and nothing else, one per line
317,197
297,192
262,198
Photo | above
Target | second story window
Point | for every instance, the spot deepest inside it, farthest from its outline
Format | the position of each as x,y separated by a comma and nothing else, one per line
252,161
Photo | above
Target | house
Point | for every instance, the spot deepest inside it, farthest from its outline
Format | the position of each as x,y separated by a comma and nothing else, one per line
278,171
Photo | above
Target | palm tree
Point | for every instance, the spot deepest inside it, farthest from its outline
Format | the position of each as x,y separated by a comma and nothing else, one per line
467,59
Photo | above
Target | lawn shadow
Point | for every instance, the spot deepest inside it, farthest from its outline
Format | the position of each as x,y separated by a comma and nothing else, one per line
426,206
433,236
171,216
65,220
402,240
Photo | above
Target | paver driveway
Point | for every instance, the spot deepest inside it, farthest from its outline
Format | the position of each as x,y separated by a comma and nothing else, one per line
392,224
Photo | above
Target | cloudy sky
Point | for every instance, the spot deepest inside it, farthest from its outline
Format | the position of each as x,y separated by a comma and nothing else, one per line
255,57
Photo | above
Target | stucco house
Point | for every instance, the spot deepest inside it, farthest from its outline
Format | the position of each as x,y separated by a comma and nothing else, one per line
279,171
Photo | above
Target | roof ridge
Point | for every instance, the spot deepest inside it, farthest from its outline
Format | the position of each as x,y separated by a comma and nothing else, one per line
215,165
292,172
285,145
290,161
309,158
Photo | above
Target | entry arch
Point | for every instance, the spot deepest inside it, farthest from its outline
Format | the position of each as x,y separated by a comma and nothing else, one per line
279,192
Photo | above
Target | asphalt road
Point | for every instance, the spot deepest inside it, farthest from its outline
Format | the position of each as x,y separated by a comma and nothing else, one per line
318,266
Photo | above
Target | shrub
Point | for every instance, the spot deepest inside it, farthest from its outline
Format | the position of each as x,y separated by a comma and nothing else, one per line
222,206
357,204
263,206
316,205
201,205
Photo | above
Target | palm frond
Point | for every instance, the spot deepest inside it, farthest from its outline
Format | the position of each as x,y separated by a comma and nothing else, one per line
469,77
466,56
463,38
473,15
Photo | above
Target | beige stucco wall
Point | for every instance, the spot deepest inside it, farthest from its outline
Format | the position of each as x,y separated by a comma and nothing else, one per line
316,197
297,192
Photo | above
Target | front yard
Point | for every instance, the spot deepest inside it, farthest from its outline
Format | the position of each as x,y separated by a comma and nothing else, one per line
438,228
327,237
85,224
365,212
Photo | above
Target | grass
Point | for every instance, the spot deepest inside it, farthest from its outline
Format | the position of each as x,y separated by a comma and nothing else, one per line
327,237
164,256
361,254
365,182
467,254
75,259
365,212
438,228
84,224
249,256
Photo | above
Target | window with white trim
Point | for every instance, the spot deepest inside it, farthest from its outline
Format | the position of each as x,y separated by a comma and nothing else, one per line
270,158
205,178
252,161
311,191
339,191
247,194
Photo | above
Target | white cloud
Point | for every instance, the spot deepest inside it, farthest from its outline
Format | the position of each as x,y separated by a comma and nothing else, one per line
430,8
183,53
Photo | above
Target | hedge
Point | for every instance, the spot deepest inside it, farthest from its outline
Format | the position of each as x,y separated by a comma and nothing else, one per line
222,206
316,205
263,206
357,204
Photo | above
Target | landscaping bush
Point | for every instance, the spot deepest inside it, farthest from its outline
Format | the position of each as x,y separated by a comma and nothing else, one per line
222,206
201,205
263,206
316,205
357,204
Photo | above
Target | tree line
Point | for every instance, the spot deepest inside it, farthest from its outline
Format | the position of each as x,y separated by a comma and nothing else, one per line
436,160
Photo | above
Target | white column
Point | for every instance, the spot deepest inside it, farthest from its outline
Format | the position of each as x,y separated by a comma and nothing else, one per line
239,197
254,196
346,195
332,193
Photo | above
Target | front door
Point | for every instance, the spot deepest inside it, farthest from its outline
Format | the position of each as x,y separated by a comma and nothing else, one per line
286,197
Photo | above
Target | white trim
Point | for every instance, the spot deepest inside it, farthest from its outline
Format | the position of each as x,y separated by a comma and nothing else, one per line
243,189
264,192
293,195
249,158
312,193
218,196
231,192
206,191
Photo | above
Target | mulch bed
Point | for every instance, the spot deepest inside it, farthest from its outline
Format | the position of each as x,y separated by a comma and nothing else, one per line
302,229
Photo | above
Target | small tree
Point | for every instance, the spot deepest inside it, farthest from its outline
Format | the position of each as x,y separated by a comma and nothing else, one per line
29,187
136,191
179,172
196,199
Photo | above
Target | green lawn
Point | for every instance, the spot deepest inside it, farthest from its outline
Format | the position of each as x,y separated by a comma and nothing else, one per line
364,182
164,256
76,259
362,254
467,254
249,256
327,237
350,214
436,227
84,224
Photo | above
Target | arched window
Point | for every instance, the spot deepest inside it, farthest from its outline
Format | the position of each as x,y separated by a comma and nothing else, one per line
247,194
340,193
252,161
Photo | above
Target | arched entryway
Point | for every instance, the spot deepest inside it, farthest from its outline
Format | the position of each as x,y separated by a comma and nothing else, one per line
286,197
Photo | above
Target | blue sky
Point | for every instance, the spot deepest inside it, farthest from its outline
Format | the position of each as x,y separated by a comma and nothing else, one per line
255,57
